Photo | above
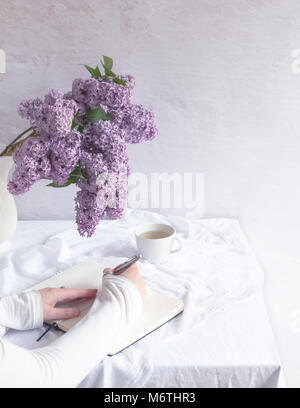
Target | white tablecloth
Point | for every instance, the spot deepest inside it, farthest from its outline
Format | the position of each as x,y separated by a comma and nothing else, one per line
223,338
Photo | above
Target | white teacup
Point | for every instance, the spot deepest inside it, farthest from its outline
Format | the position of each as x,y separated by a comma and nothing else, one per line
155,242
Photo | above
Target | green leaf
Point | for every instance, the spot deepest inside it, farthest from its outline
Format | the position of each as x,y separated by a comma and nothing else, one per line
107,71
108,62
119,81
95,72
97,114
73,178
74,124
63,185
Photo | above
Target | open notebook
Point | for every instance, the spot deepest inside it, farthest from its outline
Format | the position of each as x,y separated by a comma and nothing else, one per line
158,308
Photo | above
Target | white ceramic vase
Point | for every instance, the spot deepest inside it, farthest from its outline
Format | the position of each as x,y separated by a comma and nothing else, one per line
8,210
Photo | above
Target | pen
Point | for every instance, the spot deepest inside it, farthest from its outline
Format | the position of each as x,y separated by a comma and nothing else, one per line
121,268
53,325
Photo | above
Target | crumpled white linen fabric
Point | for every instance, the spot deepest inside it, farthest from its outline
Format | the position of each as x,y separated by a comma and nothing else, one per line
215,269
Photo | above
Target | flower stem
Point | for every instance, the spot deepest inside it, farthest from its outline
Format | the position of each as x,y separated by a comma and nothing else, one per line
8,147
14,146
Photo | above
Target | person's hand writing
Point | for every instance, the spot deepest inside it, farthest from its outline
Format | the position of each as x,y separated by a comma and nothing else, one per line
133,274
52,296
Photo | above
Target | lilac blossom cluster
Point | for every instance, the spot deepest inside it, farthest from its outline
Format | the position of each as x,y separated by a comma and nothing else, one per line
96,147
53,150
52,117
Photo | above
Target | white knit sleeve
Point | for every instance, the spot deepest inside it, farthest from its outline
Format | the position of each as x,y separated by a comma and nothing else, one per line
68,360
21,312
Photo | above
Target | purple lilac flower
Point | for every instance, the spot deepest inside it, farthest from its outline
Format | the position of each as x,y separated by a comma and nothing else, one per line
79,90
64,155
88,213
94,93
116,210
53,117
107,93
109,187
32,164
92,165
106,139
105,166
100,150
136,121
129,81
55,151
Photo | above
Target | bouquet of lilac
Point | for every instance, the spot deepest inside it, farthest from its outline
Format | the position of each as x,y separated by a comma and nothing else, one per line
80,137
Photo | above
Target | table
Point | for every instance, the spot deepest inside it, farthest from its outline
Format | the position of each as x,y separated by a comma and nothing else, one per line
233,347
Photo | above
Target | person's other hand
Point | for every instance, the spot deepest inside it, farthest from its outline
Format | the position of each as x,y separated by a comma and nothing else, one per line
52,296
133,274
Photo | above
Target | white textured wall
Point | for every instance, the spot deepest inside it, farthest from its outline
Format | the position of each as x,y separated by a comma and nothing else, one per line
218,75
